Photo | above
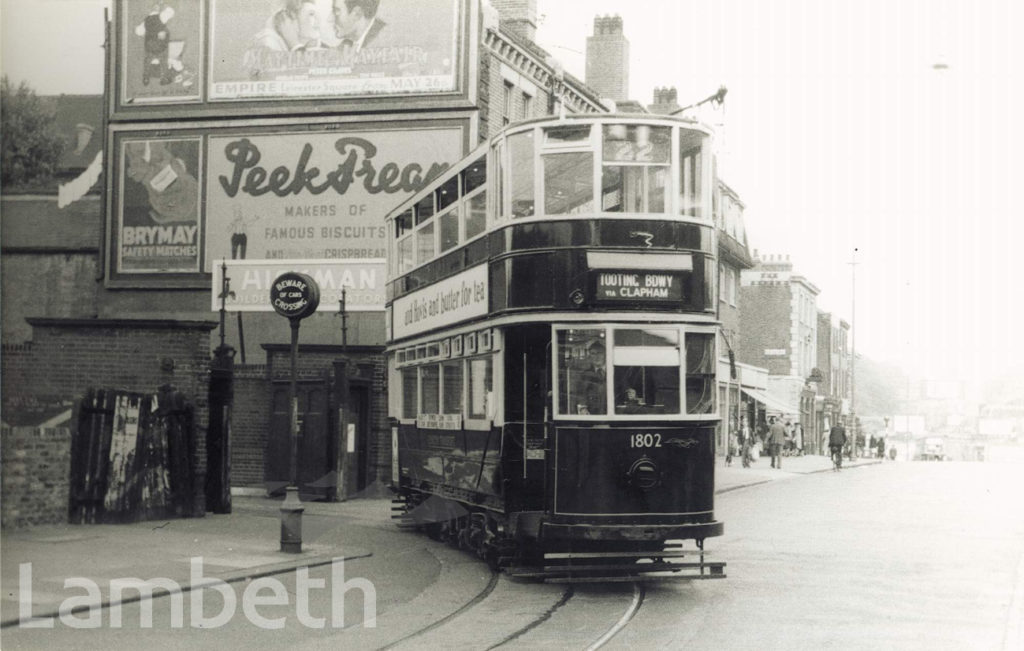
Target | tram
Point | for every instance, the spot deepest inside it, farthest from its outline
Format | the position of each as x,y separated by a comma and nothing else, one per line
551,353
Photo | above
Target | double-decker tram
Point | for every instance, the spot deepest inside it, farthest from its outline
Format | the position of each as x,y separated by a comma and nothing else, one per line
551,350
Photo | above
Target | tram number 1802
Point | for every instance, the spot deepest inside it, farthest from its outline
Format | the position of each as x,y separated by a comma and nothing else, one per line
645,440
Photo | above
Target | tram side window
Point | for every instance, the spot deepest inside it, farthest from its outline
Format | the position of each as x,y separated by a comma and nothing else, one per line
430,389
476,214
690,173
582,374
646,376
406,254
520,147
449,229
700,373
410,389
452,393
480,383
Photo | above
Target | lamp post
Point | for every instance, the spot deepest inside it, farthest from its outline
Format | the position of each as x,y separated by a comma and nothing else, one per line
295,296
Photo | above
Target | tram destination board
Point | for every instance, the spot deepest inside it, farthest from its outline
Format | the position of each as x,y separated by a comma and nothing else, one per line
643,286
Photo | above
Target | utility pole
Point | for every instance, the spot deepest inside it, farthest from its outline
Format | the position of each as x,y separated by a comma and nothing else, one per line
853,351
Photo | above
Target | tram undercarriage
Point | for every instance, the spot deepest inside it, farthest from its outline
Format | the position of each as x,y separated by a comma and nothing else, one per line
607,554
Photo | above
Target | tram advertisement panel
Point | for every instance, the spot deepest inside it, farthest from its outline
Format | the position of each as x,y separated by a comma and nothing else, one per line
162,51
320,48
316,196
158,222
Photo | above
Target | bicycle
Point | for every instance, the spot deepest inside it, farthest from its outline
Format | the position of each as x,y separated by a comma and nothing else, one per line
837,458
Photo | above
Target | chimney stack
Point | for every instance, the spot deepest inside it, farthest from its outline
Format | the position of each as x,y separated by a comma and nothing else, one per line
518,17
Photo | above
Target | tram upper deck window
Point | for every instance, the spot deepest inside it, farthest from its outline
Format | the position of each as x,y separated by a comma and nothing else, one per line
447,194
568,183
569,135
636,161
691,197
475,210
582,375
520,146
646,375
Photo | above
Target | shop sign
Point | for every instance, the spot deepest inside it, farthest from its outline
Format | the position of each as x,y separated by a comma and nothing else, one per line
250,281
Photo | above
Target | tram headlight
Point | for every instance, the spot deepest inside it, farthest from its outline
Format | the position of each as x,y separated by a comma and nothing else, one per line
577,297
644,474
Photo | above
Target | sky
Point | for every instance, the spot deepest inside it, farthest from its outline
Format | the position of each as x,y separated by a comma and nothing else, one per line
843,137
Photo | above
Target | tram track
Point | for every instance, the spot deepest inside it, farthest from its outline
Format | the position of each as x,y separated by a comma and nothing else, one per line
639,592
477,599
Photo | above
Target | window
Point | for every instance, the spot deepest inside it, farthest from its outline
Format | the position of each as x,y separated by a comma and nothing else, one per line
425,243
582,378
568,183
690,173
430,389
646,371
447,193
452,377
449,229
700,373
410,390
520,147
635,173
527,107
506,115
480,388
476,214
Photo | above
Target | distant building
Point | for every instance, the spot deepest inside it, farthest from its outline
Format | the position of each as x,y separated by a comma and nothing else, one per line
779,325
607,69
666,101
833,363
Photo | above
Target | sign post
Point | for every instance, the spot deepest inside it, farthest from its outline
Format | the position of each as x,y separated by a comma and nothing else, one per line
295,296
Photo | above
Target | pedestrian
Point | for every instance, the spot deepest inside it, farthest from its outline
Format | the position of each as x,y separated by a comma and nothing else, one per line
776,439
745,442
881,447
836,441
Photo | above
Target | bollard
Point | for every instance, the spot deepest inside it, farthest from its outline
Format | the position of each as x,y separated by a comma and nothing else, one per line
291,521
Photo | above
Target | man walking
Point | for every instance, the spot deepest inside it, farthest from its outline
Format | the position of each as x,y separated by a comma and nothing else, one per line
776,439
836,441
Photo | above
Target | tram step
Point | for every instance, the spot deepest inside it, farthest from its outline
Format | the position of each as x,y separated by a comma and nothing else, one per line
632,579
630,568
668,553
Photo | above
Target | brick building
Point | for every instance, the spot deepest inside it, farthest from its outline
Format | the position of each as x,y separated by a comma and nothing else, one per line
779,323
607,69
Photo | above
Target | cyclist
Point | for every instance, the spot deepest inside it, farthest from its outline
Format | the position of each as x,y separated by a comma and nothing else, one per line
836,441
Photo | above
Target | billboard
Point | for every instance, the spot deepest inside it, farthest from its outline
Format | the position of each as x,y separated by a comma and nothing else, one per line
162,51
158,218
263,49
316,195
249,283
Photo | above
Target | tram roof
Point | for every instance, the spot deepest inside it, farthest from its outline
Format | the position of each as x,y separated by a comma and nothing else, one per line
596,118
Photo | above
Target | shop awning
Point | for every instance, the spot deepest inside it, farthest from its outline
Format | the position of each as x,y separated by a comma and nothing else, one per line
770,403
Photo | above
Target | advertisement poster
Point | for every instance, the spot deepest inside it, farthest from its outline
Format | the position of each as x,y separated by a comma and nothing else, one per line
250,281
162,43
321,48
316,196
158,220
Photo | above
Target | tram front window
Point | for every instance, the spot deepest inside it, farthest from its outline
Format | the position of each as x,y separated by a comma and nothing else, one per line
646,371
582,375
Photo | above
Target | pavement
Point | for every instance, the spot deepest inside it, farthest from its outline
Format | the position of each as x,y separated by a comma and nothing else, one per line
235,547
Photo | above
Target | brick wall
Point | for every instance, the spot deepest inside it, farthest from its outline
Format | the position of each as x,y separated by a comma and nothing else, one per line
251,412
67,356
35,474
250,420
765,321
